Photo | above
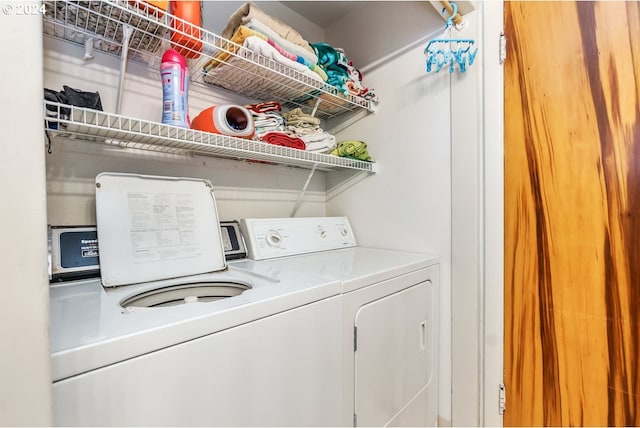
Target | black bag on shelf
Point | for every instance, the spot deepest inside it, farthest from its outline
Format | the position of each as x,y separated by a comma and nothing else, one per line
81,98
69,96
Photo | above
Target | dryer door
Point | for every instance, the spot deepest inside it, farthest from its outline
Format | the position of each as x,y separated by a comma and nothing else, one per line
394,358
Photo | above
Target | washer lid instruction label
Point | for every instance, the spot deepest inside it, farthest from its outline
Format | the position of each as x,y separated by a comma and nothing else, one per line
163,226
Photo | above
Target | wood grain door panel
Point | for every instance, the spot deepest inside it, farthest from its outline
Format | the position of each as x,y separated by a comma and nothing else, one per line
572,213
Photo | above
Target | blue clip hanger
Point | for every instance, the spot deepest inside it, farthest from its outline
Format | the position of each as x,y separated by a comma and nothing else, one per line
441,52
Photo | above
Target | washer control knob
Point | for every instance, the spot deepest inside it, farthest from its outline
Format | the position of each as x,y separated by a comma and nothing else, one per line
273,238
322,233
344,231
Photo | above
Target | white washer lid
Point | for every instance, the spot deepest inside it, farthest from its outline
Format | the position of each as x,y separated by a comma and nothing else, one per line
152,228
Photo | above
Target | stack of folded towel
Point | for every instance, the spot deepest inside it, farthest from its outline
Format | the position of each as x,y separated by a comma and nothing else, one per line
298,130
266,117
340,71
270,125
251,28
251,31
253,17
307,128
294,128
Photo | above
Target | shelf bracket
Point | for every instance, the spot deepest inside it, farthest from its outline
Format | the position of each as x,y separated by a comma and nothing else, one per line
88,49
126,35
304,189
315,107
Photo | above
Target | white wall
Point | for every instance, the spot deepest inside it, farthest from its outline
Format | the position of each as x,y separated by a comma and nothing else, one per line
407,205
25,387
379,29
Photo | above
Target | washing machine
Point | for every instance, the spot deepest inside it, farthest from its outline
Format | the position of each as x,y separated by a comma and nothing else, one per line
170,334
389,314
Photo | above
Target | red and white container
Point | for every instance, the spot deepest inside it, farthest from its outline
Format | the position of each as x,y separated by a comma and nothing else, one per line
175,89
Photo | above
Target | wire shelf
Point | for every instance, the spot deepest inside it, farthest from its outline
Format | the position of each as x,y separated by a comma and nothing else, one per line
244,72
126,132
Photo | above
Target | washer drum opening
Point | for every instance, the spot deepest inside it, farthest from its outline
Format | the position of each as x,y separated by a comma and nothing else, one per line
186,293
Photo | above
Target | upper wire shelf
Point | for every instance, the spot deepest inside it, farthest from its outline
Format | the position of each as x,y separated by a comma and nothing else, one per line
101,23
130,133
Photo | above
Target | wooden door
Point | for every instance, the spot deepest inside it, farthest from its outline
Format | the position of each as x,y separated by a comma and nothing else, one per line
572,213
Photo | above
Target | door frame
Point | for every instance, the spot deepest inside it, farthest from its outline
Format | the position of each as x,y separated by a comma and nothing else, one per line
492,322
477,242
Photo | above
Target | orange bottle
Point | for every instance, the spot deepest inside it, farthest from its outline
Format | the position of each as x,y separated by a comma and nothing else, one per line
160,5
185,38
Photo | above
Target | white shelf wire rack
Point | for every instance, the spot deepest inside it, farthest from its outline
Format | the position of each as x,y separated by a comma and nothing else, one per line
102,23
130,133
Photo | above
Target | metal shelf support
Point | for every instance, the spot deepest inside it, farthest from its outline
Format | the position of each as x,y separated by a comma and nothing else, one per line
126,36
304,190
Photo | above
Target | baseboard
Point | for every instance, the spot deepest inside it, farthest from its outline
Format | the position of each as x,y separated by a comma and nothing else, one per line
442,422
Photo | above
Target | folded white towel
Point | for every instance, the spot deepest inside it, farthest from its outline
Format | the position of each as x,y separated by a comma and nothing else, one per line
256,44
324,142
285,44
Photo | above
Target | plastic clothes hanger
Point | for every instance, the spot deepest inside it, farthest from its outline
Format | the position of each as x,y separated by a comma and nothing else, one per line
441,52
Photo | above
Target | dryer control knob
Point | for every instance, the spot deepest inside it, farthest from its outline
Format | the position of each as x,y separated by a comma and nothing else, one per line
273,238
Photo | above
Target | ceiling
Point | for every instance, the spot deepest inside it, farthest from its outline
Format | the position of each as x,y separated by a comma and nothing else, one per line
322,13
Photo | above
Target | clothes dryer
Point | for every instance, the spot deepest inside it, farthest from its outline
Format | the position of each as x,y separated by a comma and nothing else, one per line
172,335
390,314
